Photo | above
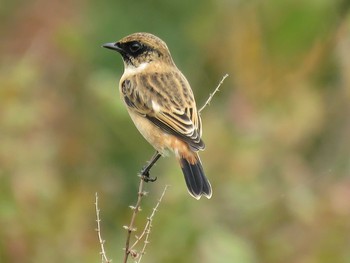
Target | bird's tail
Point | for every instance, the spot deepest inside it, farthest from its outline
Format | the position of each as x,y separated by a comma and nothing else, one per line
196,181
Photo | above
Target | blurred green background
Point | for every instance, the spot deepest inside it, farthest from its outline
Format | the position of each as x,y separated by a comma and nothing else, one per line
277,134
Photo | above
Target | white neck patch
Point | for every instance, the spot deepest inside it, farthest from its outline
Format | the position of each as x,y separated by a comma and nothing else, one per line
130,70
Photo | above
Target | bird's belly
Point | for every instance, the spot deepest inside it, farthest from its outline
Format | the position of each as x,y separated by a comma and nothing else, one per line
154,135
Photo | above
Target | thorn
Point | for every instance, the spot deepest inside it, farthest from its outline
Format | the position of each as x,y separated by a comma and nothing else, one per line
134,254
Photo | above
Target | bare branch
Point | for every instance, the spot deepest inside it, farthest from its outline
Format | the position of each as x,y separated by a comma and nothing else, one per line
212,94
104,258
131,227
147,229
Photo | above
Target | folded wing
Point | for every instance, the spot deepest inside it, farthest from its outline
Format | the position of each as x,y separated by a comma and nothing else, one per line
167,101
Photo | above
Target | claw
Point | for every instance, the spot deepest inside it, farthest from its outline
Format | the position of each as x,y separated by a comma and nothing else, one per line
147,178
145,170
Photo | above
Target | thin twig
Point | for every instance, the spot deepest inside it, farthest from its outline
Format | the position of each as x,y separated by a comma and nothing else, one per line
212,94
149,219
147,229
104,258
131,228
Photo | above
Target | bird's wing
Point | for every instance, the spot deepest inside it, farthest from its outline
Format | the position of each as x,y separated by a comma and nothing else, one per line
165,99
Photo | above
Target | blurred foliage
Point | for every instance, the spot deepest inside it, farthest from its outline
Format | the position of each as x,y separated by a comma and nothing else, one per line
277,135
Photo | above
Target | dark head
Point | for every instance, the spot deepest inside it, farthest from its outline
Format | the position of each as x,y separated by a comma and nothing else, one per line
141,48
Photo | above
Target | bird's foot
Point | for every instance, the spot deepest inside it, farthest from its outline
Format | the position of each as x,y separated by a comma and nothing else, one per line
145,175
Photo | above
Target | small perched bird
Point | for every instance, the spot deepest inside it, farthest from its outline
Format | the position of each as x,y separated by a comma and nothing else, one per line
161,104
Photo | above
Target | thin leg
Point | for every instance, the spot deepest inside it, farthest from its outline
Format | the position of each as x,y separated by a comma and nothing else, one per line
145,170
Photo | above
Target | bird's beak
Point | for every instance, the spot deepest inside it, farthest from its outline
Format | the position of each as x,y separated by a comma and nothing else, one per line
113,46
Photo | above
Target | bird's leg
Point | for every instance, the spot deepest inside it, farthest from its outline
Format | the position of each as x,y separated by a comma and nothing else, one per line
145,170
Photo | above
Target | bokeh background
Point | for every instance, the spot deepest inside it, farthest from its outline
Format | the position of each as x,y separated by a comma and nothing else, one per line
277,134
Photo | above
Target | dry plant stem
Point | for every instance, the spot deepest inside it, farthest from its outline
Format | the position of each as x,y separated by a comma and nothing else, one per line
147,229
149,220
212,94
131,228
104,258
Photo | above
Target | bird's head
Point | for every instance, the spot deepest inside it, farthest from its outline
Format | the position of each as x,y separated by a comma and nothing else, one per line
141,48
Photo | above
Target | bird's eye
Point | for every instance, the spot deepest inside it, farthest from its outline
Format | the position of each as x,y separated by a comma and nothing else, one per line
134,47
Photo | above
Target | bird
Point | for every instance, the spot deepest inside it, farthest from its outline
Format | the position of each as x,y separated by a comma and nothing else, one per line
161,104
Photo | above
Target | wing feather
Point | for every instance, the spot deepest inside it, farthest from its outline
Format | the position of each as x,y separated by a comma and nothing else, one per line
165,99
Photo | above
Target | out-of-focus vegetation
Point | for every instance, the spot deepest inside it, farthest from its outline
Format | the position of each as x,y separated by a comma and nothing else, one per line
277,135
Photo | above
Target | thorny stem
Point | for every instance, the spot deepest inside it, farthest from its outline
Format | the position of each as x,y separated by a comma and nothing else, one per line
149,219
98,230
147,229
130,228
212,94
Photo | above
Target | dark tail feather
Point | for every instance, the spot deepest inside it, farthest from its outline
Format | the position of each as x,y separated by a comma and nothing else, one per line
196,181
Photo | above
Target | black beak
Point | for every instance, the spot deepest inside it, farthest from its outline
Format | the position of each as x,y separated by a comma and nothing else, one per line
113,46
